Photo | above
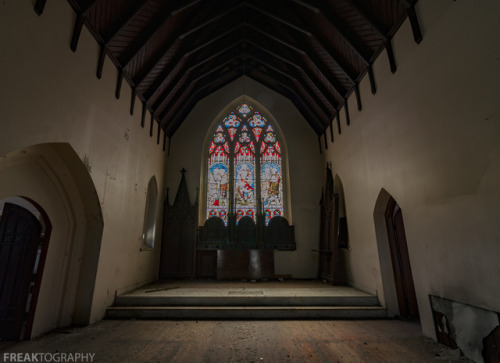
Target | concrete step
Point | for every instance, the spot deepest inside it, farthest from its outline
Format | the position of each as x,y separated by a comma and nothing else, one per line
246,300
246,312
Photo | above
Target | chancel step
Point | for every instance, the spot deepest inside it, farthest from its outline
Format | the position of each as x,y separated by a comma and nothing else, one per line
246,312
271,300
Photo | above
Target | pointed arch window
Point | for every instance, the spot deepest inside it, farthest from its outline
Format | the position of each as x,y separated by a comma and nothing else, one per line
245,173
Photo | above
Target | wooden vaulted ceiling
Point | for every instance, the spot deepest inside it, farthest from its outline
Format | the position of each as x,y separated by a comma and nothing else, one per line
173,53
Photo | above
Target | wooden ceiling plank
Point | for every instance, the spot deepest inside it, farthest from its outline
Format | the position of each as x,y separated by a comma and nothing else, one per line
123,21
160,81
374,23
310,54
306,112
177,79
293,74
139,78
305,94
337,58
340,29
322,89
187,83
193,100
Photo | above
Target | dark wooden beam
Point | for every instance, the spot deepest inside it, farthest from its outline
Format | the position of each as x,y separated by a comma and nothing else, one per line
415,25
200,92
326,141
171,82
337,116
336,23
358,97
143,115
291,82
371,76
100,62
331,129
119,84
122,21
293,72
158,134
312,77
80,20
151,124
186,83
346,109
390,55
153,63
291,94
334,55
39,6
132,100
310,55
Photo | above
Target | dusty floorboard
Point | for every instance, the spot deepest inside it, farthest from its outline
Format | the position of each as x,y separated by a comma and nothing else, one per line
244,341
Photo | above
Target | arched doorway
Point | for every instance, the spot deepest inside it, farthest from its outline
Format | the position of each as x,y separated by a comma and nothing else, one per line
24,237
403,278
53,176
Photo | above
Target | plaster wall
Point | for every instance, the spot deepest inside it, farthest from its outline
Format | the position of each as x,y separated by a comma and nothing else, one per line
51,94
429,137
304,162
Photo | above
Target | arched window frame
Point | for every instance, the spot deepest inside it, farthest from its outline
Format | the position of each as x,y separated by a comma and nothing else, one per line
284,158
150,216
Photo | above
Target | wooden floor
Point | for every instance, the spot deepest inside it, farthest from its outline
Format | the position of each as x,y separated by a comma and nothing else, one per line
244,341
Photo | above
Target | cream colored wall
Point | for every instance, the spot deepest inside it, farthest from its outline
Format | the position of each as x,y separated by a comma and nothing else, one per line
430,137
304,161
50,94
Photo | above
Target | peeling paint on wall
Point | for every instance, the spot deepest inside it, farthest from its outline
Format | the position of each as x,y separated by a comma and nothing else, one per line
465,325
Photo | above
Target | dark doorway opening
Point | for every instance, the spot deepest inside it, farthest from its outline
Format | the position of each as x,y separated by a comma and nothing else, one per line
403,278
24,239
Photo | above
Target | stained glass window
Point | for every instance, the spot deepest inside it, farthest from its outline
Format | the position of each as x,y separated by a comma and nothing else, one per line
245,173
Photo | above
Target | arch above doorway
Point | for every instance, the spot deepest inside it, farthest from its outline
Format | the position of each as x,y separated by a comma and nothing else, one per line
399,290
53,176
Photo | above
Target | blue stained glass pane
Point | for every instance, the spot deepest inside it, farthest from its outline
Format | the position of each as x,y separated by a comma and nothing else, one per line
232,120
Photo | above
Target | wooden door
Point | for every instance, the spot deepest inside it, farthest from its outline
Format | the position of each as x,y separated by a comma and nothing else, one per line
403,278
19,242
328,246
